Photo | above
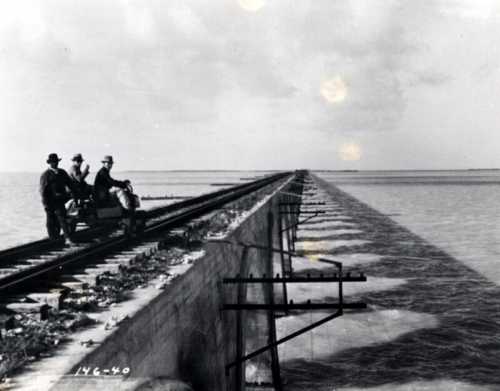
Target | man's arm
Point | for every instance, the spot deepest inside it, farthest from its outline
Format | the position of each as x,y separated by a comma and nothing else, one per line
85,172
77,175
113,182
43,190
69,184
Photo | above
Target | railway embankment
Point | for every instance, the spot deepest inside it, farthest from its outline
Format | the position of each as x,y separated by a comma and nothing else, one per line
167,327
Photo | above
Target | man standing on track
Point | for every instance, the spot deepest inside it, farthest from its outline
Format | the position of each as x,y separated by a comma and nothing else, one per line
54,185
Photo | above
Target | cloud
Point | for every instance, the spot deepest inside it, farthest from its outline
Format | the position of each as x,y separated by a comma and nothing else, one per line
177,59
470,9
185,69
431,78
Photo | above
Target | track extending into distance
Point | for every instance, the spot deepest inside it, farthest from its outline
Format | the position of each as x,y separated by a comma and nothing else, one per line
24,268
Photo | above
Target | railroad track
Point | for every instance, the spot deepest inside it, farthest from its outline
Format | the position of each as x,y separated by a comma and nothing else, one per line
34,266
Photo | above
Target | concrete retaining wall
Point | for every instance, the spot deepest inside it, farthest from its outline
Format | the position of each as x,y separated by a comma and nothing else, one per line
182,333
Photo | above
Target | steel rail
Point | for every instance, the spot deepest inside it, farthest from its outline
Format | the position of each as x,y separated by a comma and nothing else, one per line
26,250
22,279
160,210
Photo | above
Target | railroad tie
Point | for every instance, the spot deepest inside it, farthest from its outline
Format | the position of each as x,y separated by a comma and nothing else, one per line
52,299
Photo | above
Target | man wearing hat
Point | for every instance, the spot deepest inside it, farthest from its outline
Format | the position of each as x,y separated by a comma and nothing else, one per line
54,185
82,188
104,183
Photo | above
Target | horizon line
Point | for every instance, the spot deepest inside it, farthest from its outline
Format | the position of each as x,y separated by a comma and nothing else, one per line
290,169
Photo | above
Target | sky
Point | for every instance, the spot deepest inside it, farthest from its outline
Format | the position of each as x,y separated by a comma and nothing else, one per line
251,84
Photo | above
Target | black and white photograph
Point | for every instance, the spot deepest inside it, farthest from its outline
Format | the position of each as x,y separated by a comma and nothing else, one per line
249,195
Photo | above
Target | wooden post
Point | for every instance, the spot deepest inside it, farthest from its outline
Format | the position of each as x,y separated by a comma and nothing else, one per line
282,257
240,325
275,365
288,224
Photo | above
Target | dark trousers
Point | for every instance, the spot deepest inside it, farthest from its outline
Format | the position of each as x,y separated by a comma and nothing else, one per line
56,219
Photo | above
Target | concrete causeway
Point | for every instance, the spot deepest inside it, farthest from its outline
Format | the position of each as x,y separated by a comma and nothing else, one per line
427,317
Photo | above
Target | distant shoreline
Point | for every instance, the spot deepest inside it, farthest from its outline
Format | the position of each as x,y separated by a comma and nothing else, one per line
310,169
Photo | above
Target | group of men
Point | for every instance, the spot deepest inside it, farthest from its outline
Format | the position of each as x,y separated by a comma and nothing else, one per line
57,187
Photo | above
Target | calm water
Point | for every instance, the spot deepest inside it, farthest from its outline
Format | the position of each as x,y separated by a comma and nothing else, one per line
434,321
436,333
22,217
458,211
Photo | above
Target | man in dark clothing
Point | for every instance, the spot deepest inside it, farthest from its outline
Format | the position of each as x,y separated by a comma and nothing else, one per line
103,183
110,192
54,183
83,189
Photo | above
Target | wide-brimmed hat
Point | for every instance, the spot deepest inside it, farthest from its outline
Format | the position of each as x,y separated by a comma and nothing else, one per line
107,159
77,158
53,158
